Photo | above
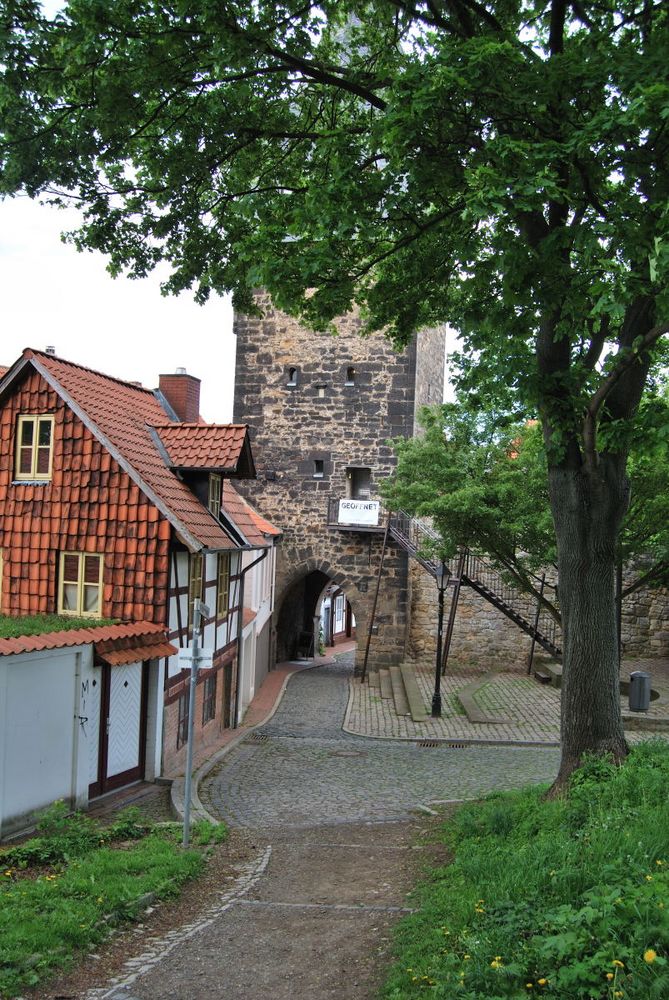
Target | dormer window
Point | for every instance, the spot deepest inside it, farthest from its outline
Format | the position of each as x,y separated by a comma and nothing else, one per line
293,375
34,447
214,502
350,376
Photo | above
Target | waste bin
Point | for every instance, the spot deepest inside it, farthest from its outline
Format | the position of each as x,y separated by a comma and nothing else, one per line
639,693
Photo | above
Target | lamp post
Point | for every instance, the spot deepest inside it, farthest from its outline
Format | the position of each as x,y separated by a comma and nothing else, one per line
199,609
436,697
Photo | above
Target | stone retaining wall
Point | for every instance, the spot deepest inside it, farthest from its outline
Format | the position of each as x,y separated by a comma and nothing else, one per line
486,639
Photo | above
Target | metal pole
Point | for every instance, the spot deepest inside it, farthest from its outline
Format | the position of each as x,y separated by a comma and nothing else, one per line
454,607
436,697
191,717
530,658
363,675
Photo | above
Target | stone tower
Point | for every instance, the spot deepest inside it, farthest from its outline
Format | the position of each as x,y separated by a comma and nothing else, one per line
321,411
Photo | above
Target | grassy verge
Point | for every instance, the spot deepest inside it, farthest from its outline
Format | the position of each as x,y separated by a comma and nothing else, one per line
62,891
12,628
565,899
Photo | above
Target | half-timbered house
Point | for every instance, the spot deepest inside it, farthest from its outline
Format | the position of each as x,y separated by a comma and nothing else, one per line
110,507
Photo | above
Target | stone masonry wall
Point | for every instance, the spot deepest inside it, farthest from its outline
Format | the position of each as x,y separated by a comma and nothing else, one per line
485,639
430,359
318,405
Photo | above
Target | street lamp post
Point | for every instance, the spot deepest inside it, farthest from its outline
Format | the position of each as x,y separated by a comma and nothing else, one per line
436,697
199,610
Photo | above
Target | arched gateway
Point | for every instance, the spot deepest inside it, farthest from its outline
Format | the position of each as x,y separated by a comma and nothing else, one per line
320,443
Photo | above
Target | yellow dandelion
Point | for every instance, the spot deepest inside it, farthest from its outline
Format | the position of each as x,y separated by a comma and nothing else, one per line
543,981
466,957
618,964
528,986
609,976
649,878
618,993
649,955
660,862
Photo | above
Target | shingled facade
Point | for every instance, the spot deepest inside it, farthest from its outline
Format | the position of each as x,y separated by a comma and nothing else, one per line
112,506
321,411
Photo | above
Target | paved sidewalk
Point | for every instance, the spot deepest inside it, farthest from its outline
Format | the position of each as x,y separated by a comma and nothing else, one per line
528,712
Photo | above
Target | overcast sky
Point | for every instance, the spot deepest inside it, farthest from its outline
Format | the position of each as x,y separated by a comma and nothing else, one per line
52,295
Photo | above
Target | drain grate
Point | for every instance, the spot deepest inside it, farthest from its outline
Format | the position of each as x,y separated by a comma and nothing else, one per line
257,738
428,744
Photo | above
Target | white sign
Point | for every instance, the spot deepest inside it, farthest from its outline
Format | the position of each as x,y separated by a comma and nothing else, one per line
359,512
205,658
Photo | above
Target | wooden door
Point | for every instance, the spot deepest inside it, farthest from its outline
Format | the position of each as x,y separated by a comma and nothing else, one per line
122,728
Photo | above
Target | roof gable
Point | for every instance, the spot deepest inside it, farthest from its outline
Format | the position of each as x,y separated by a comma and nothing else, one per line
222,448
120,415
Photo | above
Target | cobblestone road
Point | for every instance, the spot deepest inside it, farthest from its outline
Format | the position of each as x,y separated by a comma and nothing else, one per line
301,769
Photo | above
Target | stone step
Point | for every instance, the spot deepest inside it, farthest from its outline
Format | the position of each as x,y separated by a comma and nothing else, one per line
414,697
373,679
399,694
386,684
549,672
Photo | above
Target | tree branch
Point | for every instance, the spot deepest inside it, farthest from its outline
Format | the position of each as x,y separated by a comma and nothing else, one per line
625,362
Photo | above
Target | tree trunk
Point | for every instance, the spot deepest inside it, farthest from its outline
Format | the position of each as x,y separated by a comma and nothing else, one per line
588,507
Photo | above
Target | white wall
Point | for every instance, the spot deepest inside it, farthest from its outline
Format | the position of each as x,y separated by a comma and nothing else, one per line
43,743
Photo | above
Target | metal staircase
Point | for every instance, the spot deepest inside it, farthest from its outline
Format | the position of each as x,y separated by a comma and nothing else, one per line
419,540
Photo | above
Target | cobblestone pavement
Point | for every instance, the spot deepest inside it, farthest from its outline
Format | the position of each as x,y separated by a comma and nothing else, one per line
529,712
301,769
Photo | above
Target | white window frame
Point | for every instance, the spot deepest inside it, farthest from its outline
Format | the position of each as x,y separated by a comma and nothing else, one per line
79,612
35,419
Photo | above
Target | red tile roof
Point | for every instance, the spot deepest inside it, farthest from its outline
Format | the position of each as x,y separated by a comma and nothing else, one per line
148,633
255,528
121,415
218,447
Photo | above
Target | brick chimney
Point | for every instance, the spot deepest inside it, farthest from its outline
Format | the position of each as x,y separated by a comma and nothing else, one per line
182,392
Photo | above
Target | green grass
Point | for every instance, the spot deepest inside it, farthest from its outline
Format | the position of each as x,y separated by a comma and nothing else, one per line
563,899
12,628
62,891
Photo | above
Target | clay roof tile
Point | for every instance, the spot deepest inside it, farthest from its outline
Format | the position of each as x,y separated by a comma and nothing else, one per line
122,415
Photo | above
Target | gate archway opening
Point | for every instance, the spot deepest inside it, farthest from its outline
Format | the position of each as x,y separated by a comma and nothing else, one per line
315,617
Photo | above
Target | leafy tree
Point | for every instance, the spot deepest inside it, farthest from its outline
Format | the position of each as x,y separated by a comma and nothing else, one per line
502,164
482,478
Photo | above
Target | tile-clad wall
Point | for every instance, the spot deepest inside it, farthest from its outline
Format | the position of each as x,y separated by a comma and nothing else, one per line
90,505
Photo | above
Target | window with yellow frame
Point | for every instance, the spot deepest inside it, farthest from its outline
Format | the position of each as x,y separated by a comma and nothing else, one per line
214,494
195,590
80,584
34,447
223,585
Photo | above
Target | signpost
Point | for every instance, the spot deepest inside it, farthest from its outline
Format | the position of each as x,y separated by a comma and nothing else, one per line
195,657
363,512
